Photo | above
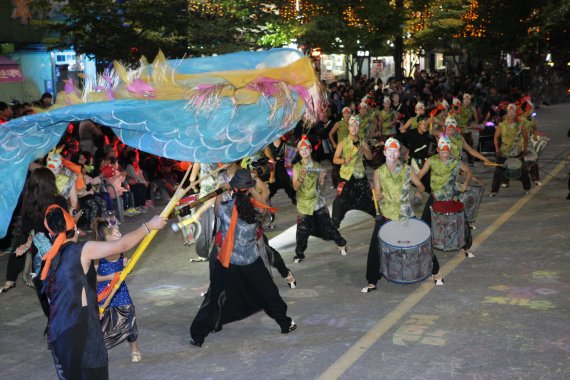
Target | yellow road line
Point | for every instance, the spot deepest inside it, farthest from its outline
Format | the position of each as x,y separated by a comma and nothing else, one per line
358,349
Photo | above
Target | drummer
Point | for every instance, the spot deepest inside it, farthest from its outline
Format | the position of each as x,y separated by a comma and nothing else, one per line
529,127
421,144
444,172
355,193
412,122
510,142
458,143
312,214
392,183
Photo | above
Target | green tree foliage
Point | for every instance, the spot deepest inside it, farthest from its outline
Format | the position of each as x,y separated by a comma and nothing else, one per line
126,29
434,25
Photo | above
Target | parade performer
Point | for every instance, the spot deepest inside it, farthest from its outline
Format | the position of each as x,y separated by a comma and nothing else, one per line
458,143
271,257
74,330
412,123
464,115
387,118
341,130
528,123
392,183
312,214
365,118
510,142
421,144
438,115
279,178
444,173
355,193
119,322
241,285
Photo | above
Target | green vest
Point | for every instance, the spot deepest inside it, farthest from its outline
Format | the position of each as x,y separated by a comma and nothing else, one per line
464,117
388,118
526,125
395,204
443,178
355,167
342,131
364,125
511,139
308,198
457,143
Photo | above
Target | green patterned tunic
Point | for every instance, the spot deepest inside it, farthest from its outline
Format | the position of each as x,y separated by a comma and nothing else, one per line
342,130
444,178
364,125
308,194
511,139
388,118
464,117
395,205
355,167
457,143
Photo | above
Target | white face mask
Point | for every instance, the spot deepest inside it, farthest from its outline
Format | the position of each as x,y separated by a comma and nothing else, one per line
353,129
392,154
445,154
305,152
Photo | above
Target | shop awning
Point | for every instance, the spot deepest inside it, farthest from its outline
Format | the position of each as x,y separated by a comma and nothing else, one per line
10,71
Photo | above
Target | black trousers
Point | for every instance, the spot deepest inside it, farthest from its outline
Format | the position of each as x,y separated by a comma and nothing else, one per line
320,225
235,293
335,175
356,195
499,176
282,181
469,140
275,259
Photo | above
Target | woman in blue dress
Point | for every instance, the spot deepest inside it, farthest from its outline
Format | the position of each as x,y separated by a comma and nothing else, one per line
119,322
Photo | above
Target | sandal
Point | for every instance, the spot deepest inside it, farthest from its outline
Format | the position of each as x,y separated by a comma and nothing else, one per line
136,357
7,289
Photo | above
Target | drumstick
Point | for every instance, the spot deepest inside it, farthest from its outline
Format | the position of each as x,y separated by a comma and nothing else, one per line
375,202
494,164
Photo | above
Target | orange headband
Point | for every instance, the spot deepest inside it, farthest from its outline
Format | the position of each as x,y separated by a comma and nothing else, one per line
69,225
304,142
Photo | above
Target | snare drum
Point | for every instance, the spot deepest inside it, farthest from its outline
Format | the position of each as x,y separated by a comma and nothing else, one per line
513,168
405,251
530,157
448,225
538,144
471,200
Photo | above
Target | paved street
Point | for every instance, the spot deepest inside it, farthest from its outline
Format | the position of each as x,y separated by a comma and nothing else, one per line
501,315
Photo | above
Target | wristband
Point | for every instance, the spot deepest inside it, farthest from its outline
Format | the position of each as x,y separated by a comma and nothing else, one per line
147,229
